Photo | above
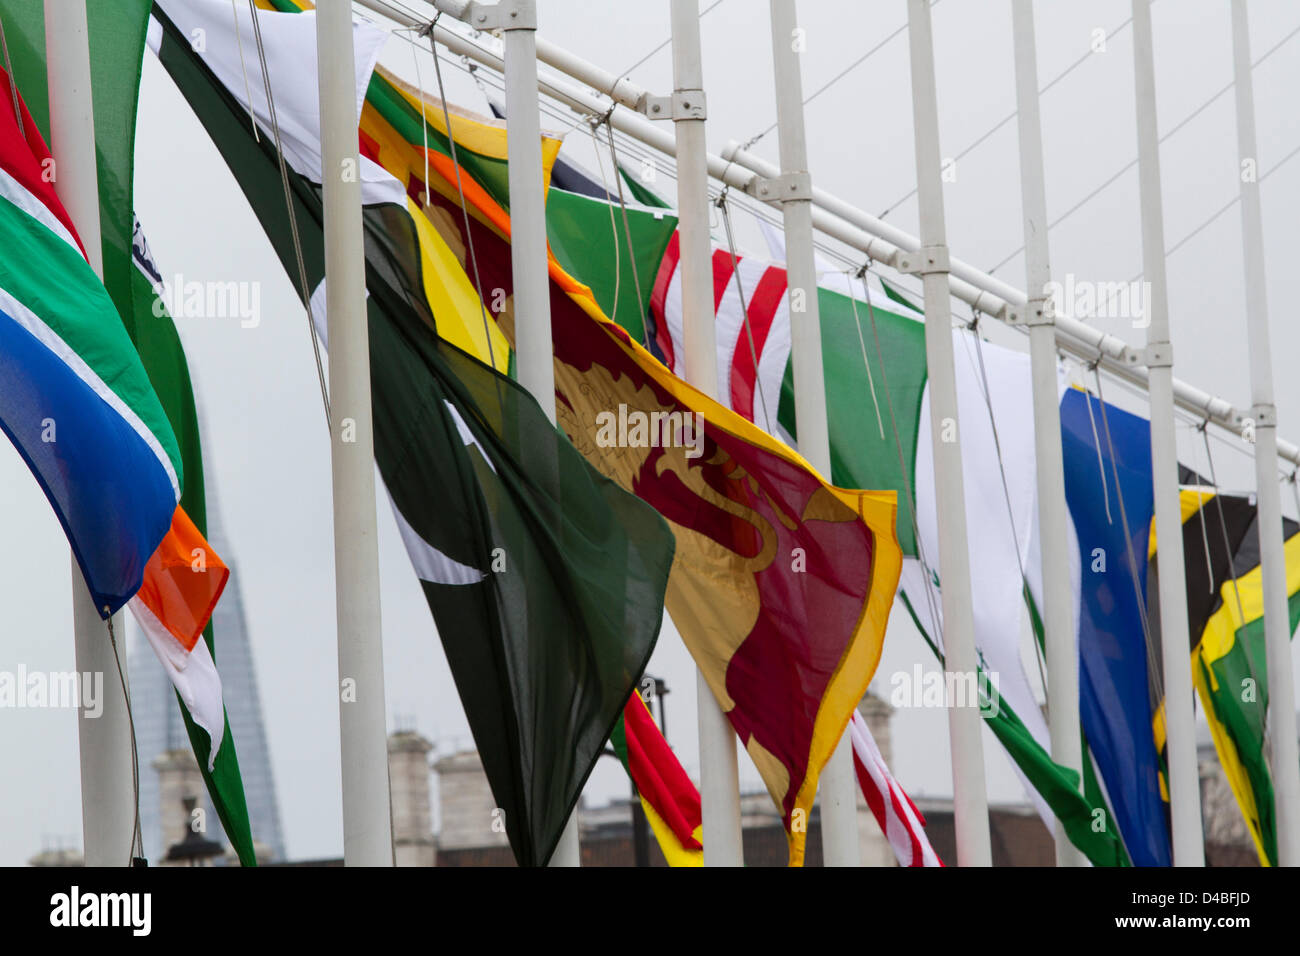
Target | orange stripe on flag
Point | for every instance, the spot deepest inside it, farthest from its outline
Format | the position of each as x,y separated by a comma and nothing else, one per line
183,581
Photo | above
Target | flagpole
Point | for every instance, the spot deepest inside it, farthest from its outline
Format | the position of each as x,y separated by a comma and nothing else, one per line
1184,782
1058,602
517,21
839,807
107,790
719,775
528,260
367,818
838,219
970,801
1285,763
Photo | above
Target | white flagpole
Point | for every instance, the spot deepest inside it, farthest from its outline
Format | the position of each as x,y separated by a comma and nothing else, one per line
528,252
534,351
885,243
970,801
1184,783
719,776
367,818
107,792
839,809
1058,603
517,21
1285,762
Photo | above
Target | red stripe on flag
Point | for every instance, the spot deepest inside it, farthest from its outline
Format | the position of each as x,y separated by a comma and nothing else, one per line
762,311
663,279
875,799
722,271
918,854
25,157
658,776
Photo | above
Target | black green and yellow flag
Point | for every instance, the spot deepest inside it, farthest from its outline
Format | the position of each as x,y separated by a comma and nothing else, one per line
1225,605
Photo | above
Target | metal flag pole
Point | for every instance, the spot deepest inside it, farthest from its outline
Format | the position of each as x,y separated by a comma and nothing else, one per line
517,21
107,789
367,819
1184,784
1285,762
719,775
1058,603
839,809
969,802
884,243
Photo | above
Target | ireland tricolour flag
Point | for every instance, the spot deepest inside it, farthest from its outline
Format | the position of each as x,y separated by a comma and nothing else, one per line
74,397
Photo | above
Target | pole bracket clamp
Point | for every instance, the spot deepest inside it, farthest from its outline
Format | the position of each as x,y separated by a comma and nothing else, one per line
1033,314
924,261
681,105
1264,416
502,15
788,187
1155,355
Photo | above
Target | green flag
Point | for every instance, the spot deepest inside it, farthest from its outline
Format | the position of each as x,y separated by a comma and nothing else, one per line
117,41
589,239
546,580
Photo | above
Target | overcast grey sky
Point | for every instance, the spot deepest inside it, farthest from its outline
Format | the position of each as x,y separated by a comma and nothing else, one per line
268,450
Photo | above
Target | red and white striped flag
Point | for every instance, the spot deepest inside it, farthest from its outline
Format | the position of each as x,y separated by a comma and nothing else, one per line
748,388
898,817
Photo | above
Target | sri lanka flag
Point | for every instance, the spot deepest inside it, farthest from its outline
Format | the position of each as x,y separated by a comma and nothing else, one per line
74,396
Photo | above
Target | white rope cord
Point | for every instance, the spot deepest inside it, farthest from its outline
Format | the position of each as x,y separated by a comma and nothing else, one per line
627,229
1223,527
613,225
424,124
1205,536
1040,653
1153,669
932,599
744,307
1232,569
427,31
871,382
303,286
137,835
1101,461
248,90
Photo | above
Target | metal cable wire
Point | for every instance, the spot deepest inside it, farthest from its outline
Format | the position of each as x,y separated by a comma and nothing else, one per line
666,42
744,307
137,835
303,285
627,230
932,599
1012,115
839,76
1152,669
427,31
1132,163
